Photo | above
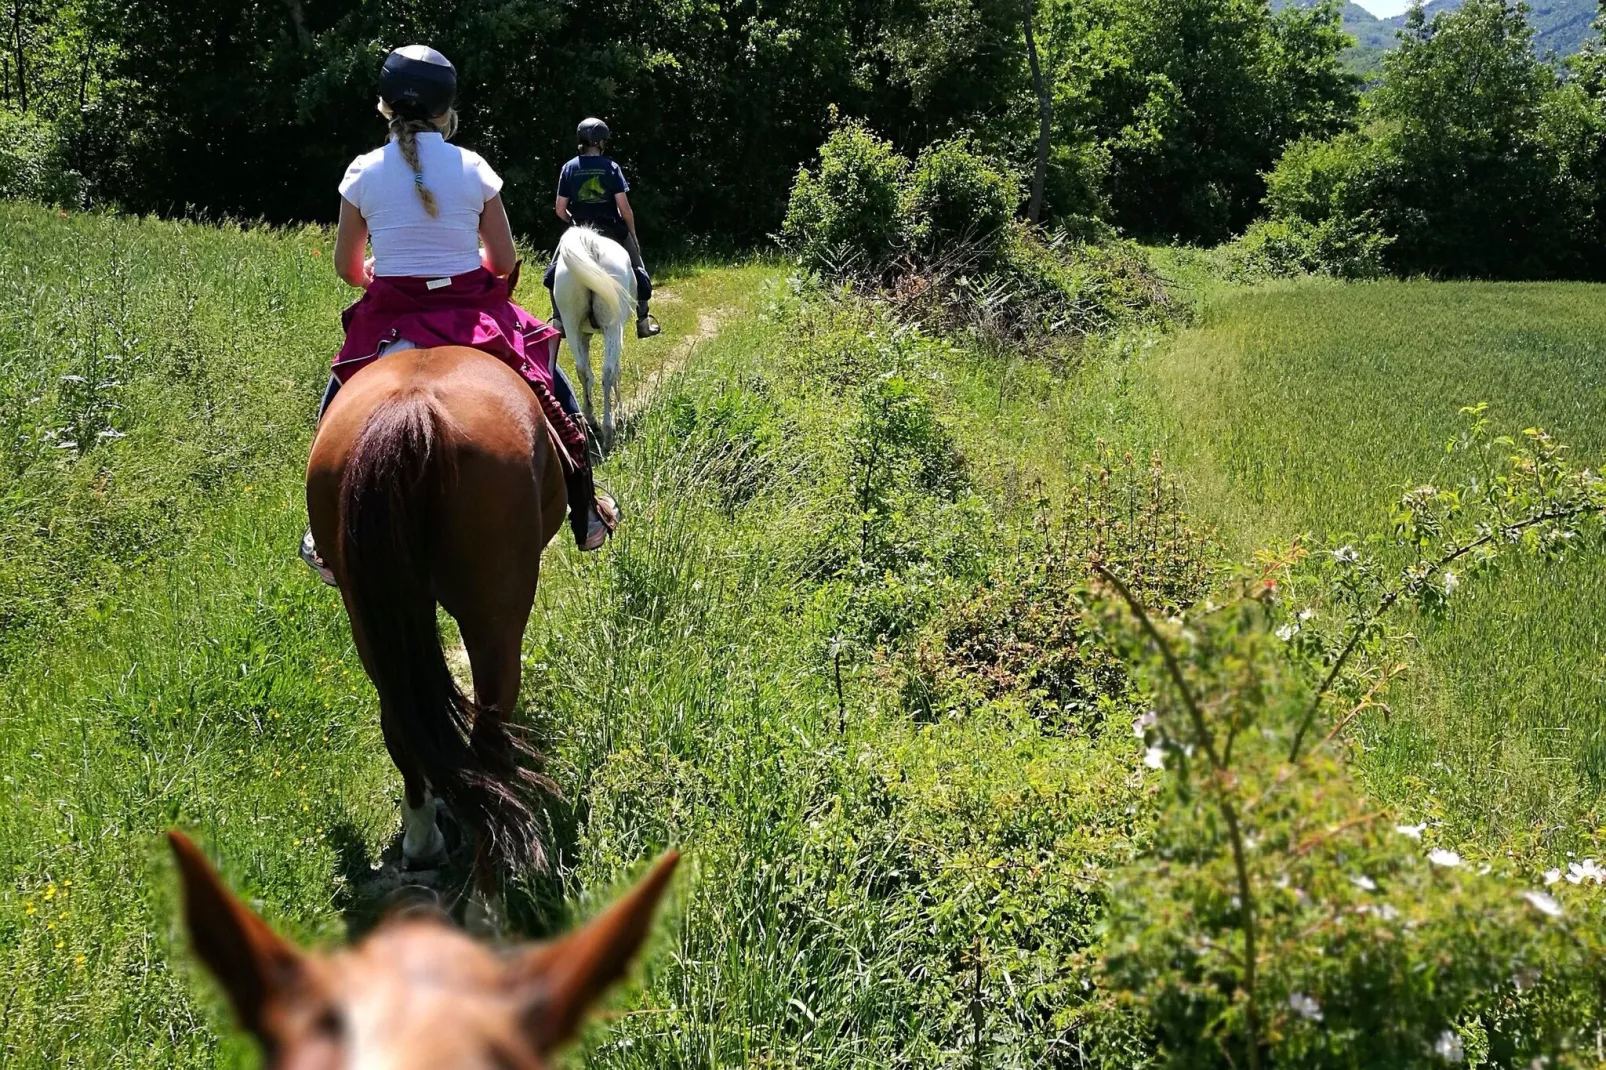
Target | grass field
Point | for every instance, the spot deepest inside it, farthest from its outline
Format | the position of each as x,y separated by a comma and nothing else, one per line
875,877
1309,407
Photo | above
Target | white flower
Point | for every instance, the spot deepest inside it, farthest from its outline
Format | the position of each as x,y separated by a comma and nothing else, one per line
1387,912
1440,857
1154,758
1451,582
1142,723
1413,831
1306,614
1287,632
1346,555
1364,883
1552,876
1448,1047
1304,1006
1587,870
1544,903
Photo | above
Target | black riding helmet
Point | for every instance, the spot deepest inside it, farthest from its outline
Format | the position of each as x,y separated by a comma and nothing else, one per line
593,132
417,82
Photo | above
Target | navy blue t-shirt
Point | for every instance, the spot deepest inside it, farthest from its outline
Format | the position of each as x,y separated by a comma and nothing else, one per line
590,183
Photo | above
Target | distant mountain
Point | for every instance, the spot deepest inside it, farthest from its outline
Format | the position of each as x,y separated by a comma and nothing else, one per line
1560,27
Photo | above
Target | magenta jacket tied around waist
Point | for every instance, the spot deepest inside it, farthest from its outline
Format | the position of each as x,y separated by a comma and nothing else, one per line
472,309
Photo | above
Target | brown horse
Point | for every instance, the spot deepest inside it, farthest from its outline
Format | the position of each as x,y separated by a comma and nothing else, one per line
415,994
433,481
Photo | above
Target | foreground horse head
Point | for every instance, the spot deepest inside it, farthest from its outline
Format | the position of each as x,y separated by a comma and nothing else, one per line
413,994
433,481
595,291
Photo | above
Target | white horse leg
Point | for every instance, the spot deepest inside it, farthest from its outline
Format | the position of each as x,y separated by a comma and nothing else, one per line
422,841
580,347
613,344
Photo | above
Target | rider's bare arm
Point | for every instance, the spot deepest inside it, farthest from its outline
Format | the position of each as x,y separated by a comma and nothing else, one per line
562,208
623,201
498,256
351,247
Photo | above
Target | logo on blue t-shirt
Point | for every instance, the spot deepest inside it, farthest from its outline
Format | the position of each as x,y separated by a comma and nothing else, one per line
590,184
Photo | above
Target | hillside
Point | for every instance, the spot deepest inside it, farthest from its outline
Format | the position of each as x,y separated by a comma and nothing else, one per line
1560,28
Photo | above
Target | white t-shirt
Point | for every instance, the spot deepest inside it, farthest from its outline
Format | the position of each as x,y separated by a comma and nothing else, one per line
407,241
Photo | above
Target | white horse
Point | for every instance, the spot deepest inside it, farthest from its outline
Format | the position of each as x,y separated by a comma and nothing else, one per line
595,291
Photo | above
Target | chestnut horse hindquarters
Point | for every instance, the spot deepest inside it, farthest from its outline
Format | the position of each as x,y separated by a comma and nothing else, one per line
432,481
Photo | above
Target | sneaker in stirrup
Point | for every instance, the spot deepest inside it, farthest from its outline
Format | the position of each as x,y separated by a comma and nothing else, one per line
309,554
604,518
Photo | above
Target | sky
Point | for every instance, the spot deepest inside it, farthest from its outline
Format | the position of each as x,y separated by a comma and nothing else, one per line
1384,8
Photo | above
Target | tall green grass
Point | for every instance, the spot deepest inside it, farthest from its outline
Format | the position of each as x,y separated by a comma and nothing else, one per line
1310,407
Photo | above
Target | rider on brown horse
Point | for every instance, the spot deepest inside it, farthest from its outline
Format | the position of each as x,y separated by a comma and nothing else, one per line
427,205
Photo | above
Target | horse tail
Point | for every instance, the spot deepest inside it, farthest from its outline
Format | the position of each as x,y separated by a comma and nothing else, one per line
392,485
581,253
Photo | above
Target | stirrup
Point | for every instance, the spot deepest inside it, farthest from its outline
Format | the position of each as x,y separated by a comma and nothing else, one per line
603,523
309,554
647,326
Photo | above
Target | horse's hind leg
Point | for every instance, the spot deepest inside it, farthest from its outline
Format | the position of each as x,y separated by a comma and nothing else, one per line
422,842
580,347
613,344
494,653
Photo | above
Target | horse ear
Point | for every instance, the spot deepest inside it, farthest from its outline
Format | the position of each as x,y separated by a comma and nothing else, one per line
252,962
565,977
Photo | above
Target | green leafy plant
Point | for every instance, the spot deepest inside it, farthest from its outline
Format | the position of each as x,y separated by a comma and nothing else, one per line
1281,917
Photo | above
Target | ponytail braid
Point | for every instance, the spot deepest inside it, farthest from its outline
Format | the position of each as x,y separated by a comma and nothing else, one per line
406,132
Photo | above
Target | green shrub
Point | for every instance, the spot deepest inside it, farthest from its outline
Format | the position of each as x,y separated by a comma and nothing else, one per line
1342,246
957,198
844,216
32,164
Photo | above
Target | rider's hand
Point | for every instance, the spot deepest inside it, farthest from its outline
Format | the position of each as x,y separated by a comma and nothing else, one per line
367,272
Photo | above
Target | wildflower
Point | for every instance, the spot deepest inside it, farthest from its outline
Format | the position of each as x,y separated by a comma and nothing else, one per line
1451,582
1544,903
1440,857
1587,870
1346,555
1364,883
1448,1047
1552,876
81,959
1413,831
29,909
1287,632
1387,912
1308,613
1154,758
1304,1006
317,252
50,892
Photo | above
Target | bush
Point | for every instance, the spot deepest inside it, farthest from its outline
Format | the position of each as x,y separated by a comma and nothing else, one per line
1342,246
32,164
845,214
958,198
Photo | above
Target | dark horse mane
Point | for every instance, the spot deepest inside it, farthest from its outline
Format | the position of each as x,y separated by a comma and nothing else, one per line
399,463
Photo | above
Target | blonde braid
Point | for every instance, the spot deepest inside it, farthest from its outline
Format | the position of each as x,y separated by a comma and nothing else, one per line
406,132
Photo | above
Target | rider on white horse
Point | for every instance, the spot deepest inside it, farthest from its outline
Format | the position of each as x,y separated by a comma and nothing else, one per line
593,192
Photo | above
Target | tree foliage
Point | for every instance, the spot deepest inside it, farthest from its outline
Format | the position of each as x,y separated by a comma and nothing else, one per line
1164,112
